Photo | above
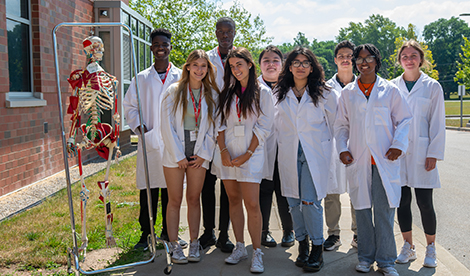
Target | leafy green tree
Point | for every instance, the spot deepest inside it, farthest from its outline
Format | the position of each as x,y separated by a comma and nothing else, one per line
444,37
463,74
192,23
301,40
377,30
325,50
396,70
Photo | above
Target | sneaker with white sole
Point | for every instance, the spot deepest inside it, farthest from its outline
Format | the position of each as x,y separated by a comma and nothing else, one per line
332,242
388,271
239,253
193,255
257,261
177,255
408,253
363,267
354,241
430,258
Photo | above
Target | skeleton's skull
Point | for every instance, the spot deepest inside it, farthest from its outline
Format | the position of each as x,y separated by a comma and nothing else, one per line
94,47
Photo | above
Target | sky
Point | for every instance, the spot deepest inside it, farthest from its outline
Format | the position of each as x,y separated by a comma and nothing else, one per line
322,19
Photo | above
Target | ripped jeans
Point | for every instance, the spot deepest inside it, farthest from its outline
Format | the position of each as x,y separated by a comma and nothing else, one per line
307,212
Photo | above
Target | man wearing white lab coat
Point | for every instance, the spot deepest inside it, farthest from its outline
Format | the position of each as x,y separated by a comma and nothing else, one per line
152,82
343,61
225,33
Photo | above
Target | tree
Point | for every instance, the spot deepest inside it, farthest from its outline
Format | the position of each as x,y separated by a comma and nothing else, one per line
377,30
463,74
444,38
192,23
396,70
326,51
301,40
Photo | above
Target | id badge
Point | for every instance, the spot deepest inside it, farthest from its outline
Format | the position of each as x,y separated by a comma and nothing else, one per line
239,131
193,135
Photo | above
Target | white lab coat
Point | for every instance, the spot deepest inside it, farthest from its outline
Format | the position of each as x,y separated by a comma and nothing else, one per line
313,127
341,181
217,62
173,130
151,89
427,131
271,141
372,127
258,124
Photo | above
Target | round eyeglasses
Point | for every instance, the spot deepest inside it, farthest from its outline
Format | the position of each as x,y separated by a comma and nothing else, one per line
297,63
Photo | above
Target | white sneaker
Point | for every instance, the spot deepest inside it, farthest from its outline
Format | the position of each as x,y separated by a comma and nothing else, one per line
408,253
388,271
177,255
430,259
194,255
257,261
363,267
239,253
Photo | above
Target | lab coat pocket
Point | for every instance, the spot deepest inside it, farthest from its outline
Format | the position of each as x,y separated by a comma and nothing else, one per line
422,106
151,140
382,116
422,150
351,173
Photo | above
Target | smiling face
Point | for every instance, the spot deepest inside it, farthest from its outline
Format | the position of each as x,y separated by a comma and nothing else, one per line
300,73
343,59
410,59
161,47
366,68
198,69
271,66
240,70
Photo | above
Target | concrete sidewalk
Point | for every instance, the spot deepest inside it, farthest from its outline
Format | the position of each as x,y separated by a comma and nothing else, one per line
280,260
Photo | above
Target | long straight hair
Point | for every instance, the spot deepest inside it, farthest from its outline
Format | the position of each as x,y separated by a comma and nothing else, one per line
316,79
232,87
208,83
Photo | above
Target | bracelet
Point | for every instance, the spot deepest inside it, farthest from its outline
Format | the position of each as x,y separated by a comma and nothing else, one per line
249,152
224,149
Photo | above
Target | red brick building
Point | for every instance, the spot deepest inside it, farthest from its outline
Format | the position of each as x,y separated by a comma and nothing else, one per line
30,137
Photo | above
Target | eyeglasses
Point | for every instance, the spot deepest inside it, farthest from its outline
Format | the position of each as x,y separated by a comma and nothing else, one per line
348,57
305,63
368,59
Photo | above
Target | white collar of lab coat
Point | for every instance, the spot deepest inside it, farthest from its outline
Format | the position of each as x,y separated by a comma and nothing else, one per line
418,84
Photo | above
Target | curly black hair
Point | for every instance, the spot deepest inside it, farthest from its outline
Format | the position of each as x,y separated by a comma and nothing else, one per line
372,50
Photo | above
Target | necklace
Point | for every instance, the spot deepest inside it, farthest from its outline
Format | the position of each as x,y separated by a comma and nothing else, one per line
366,88
298,92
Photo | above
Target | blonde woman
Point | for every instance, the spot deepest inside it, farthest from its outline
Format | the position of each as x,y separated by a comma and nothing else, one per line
188,134
427,142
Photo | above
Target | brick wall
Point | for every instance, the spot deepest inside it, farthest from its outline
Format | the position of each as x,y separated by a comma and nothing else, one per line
27,153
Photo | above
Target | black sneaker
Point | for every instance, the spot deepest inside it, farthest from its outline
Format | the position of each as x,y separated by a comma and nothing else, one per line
354,241
267,239
207,239
288,239
332,242
224,244
142,245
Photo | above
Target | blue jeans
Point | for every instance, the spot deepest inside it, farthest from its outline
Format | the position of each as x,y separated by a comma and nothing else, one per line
376,241
307,212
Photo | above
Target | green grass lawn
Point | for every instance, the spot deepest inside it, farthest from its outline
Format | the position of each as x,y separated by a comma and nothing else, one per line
38,238
453,108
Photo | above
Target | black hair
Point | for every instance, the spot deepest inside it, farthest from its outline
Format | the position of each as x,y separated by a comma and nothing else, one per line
226,19
270,48
344,44
316,79
160,31
372,50
232,86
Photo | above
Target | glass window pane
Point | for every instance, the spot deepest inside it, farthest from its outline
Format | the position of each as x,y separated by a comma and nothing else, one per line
136,49
142,56
147,34
125,18
126,53
149,56
19,57
126,87
18,8
141,30
134,25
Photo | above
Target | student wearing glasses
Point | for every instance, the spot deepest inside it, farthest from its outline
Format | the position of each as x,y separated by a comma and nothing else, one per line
371,131
305,113
344,76
246,112
427,142
270,61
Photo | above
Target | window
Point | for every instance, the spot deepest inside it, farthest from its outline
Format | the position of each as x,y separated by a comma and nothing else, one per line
19,55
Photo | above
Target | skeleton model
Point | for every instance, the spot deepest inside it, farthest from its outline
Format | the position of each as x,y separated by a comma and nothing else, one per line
93,92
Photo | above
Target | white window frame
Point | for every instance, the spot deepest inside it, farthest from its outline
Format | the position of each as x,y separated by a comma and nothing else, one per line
25,99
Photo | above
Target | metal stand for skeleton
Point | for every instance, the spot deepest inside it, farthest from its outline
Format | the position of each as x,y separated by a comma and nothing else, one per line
73,253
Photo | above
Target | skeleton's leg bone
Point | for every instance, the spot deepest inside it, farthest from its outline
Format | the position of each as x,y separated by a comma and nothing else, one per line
84,195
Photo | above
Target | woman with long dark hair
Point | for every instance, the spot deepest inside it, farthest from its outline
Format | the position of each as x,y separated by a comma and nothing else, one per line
305,113
188,120
246,114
